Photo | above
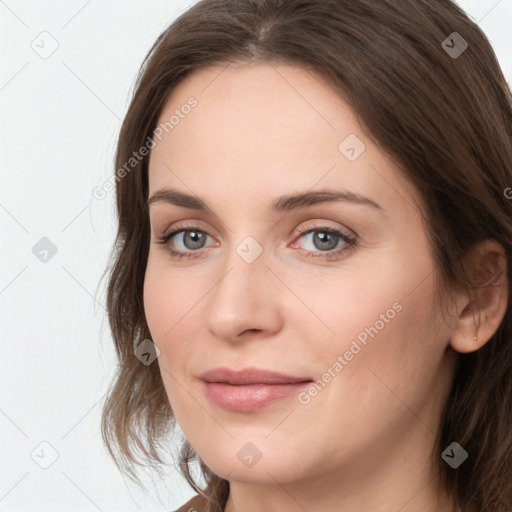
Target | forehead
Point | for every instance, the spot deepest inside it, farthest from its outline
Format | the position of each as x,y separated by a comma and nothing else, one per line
266,126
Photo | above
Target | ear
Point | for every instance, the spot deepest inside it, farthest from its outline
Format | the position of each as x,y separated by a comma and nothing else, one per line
481,313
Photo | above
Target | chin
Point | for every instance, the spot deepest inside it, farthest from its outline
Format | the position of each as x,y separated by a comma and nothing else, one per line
243,461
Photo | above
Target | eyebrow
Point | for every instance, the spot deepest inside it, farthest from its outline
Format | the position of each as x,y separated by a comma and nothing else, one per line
281,204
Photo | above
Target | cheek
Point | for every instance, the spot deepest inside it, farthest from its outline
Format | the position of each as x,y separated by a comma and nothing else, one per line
156,302
173,304
389,354
362,302
168,296
381,322
166,310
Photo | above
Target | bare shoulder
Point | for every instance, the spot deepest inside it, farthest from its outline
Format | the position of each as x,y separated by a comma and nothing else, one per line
196,504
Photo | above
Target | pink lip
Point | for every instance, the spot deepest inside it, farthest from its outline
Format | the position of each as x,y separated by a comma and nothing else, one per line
250,389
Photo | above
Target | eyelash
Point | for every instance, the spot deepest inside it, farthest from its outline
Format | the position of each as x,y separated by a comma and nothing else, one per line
350,242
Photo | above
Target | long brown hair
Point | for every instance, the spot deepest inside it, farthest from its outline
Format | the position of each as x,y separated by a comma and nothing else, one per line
440,107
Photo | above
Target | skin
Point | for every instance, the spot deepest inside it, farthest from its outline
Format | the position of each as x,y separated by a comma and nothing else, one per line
363,442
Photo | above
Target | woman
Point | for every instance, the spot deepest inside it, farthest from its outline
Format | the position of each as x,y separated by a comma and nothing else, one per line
311,270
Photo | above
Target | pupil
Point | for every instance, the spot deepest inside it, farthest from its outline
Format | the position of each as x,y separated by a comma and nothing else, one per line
196,239
321,238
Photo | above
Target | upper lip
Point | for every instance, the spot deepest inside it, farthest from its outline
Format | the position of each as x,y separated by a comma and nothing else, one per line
249,376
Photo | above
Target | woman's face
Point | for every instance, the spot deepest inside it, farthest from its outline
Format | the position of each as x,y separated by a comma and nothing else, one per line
278,274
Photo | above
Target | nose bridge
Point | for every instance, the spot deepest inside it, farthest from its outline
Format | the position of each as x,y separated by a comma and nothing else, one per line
244,266
240,300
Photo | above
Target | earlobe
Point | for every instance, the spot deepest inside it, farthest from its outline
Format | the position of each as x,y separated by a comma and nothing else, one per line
481,313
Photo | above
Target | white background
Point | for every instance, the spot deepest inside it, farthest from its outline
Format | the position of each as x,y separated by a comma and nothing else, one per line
60,118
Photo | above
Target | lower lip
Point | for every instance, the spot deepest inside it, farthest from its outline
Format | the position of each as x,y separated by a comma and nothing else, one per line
251,397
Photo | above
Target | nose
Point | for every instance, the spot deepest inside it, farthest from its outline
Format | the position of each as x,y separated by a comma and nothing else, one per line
243,302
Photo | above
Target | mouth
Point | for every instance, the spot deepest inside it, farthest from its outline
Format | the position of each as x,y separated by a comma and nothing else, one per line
249,389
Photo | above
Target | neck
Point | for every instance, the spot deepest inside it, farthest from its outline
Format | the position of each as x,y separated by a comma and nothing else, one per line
381,496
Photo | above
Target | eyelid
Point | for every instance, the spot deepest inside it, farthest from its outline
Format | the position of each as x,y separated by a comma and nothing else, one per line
319,224
171,233
191,224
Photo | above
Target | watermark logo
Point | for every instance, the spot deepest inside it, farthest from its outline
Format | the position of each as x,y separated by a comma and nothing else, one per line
44,250
454,455
45,45
352,147
249,454
454,45
44,455
249,249
147,352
